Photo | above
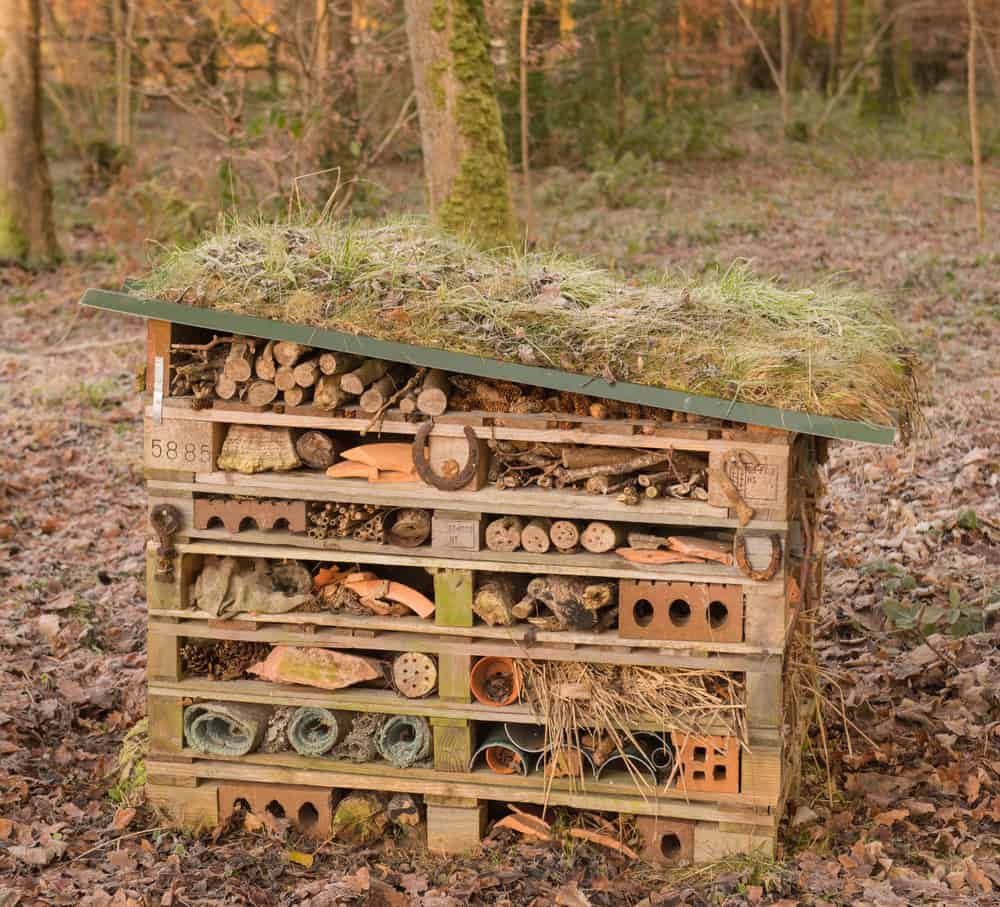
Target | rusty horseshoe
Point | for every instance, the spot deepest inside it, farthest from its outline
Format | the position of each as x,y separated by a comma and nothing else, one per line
423,467
740,556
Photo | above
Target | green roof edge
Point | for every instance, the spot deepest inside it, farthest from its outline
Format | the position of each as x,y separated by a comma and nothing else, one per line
555,379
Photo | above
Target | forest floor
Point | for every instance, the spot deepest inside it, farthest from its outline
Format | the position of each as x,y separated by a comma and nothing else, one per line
901,797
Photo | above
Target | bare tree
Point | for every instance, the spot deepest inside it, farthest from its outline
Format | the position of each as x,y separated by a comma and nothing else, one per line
464,152
26,229
977,153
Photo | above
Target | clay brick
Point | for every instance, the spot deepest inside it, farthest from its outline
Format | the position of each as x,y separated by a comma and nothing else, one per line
707,764
666,842
685,612
309,809
263,514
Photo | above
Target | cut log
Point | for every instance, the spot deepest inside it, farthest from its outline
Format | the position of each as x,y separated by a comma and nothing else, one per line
433,397
257,448
600,538
261,393
225,387
495,598
239,361
605,484
633,464
370,370
408,403
403,811
331,363
410,528
360,818
284,378
580,457
574,601
378,393
328,393
564,534
504,534
316,449
264,368
535,536
414,674
314,667
297,396
287,353
306,373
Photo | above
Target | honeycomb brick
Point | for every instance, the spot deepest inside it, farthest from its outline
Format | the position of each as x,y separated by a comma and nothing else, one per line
707,764
683,612
309,809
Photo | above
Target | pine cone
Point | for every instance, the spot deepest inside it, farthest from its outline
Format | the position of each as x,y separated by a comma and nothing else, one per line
196,658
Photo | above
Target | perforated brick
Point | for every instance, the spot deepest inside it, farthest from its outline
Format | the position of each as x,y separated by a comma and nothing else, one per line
707,764
666,842
237,514
685,612
309,809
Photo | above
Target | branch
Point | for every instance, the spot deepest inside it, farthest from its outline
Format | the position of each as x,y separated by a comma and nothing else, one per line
775,74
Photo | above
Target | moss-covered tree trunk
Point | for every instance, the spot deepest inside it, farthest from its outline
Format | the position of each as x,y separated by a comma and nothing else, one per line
465,155
26,229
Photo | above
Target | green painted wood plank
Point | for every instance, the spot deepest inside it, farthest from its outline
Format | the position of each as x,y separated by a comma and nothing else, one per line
554,379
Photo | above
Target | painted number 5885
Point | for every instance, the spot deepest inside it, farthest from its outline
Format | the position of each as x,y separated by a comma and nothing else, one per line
182,452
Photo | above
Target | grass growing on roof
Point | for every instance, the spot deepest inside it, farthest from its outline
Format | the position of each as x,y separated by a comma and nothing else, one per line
831,349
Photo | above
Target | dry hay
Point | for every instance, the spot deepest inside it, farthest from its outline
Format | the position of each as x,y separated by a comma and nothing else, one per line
831,349
578,701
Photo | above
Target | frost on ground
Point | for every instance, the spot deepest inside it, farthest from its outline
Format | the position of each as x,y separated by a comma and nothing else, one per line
909,811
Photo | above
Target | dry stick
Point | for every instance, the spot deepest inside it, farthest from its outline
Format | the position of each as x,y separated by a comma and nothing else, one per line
653,458
131,834
214,342
415,379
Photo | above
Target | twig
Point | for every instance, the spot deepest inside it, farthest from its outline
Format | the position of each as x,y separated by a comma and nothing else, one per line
415,379
131,834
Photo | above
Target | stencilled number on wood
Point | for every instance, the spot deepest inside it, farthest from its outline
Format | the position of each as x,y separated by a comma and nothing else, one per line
756,483
183,445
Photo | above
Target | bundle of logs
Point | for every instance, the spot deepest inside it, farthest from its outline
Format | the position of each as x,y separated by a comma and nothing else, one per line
405,527
265,373
546,602
629,473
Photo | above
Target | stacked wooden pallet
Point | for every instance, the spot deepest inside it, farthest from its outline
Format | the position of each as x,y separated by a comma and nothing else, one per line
432,565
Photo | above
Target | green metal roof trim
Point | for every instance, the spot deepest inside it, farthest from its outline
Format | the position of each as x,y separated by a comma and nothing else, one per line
555,379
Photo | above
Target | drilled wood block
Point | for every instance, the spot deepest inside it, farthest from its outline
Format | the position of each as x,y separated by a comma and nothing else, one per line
453,744
666,842
195,808
182,444
454,829
688,612
308,809
457,531
707,764
236,514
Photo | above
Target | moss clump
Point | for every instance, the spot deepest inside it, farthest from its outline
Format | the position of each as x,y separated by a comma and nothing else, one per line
831,349
479,202
128,789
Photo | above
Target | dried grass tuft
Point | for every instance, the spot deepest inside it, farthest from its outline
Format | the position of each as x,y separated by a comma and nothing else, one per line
831,349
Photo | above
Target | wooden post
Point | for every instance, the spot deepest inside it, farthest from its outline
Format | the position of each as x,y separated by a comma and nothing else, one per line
453,598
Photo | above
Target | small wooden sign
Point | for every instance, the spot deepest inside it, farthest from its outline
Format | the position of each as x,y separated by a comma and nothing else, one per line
182,444
764,485
457,531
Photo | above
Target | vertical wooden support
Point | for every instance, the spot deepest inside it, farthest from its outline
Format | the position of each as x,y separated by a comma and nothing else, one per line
765,613
193,808
163,656
453,676
454,824
765,696
453,598
167,595
453,744
158,335
166,724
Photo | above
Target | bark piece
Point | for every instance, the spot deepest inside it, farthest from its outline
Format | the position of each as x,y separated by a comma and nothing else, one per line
564,534
261,393
360,818
410,528
708,549
316,449
535,536
433,397
599,537
239,361
258,448
574,601
495,598
356,381
633,464
331,363
225,728
287,353
264,367
581,457
504,533
404,811
314,667
646,541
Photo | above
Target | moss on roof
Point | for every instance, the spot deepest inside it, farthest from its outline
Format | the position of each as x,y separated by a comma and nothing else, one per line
830,349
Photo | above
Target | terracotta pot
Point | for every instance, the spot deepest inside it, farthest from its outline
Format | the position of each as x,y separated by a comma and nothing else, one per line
504,760
484,670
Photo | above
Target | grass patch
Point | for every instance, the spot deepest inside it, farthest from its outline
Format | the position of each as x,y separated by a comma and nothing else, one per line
831,349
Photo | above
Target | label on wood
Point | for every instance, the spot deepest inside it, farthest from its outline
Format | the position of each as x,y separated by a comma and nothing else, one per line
182,444
763,485
458,531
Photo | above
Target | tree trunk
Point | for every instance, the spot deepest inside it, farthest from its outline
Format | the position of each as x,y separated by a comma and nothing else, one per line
785,27
836,48
529,208
888,93
26,229
123,20
464,152
977,156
